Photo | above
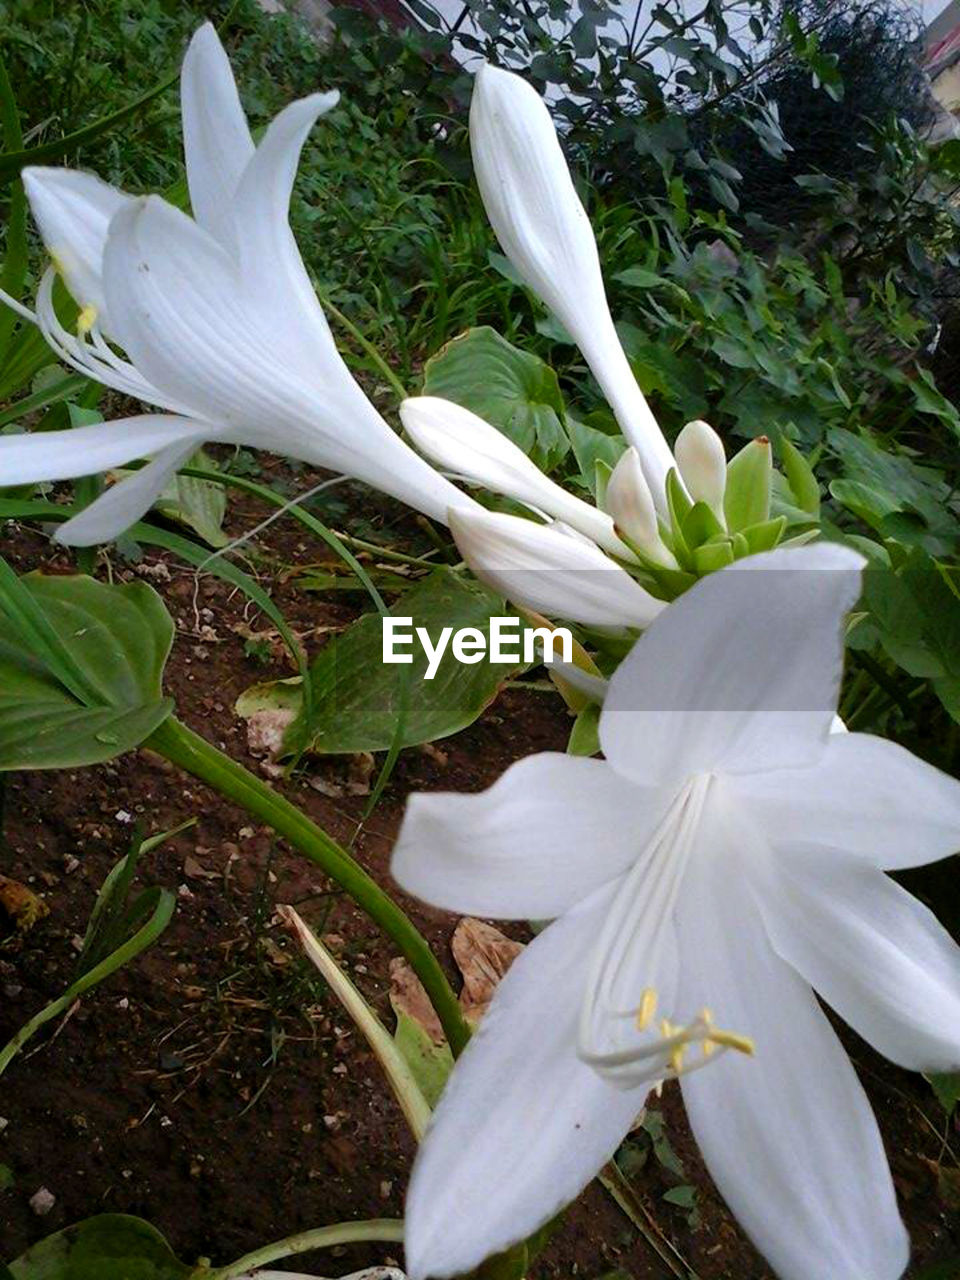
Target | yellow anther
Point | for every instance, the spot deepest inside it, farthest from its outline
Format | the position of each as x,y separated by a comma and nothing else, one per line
676,1059
86,319
708,1047
647,1009
730,1040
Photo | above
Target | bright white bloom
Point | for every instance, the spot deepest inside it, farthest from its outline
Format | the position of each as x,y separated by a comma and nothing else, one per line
702,464
463,443
727,855
550,569
216,316
544,230
630,503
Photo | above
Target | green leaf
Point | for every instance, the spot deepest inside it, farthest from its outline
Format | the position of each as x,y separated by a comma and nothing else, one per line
685,1196
430,1063
356,695
585,735
940,1271
639,278
198,504
800,477
115,638
596,453
510,388
112,1246
947,1089
14,269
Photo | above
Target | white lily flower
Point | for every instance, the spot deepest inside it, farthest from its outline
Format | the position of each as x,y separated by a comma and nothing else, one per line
630,503
547,569
702,464
728,854
217,317
464,443
544,230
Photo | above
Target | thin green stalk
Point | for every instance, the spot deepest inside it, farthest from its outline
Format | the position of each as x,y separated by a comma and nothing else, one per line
367,346
194,754
375,1231
116,960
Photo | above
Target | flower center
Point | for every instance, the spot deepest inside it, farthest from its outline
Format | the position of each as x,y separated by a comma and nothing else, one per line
619,1035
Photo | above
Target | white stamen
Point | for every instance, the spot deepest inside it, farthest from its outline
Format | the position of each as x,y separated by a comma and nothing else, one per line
647,898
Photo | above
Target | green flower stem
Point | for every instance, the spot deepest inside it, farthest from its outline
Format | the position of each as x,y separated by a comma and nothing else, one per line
377,1231
194,754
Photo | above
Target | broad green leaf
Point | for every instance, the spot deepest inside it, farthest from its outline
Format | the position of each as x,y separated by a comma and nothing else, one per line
198,504
117,639
430,1063
596,453
112,1246
947,1089
510,388
356,696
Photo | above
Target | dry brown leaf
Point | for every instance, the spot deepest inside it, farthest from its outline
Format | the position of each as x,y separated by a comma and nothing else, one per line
483,955
21,904
408,996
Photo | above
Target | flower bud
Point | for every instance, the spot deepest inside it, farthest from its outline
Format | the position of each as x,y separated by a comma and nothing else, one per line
702,464
629,501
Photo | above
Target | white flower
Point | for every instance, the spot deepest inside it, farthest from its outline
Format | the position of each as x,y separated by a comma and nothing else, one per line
543,229
728,854
550,569
216,316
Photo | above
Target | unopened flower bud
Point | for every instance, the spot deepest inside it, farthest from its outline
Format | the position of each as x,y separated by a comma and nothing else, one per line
629,501
702,464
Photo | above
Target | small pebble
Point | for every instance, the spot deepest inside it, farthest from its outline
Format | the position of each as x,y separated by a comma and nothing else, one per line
42,1202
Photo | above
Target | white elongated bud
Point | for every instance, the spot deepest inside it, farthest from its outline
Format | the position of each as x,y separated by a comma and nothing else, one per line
544,568
543,228
629,501
459,441
702,464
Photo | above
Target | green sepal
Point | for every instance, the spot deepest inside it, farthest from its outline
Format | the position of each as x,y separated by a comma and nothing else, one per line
712,556
764,537
701,525
749,481
602,471
679,506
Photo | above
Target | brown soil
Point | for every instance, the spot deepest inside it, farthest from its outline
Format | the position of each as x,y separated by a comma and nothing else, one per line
214,1086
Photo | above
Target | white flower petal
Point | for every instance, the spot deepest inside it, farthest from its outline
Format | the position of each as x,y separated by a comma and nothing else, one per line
523,1124
73,211
741,674
86,451
461,442
788,1134
864,795
544,230
871,950
549,571
551,830
274,277
187,322
216,139
126,501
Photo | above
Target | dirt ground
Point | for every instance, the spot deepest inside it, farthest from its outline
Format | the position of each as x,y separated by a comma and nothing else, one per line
215,1087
